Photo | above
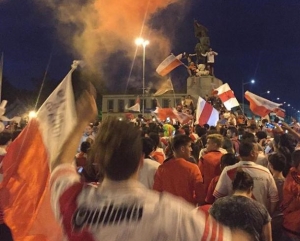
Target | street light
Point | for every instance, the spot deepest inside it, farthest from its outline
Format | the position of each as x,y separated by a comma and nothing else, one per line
278,98
267,92
243,99
144,43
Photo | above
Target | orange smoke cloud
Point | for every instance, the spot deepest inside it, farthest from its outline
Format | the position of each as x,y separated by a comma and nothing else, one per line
106,27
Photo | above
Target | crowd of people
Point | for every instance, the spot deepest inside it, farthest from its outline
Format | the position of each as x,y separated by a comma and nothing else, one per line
150,180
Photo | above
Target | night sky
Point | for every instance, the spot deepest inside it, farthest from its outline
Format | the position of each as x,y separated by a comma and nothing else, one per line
255,39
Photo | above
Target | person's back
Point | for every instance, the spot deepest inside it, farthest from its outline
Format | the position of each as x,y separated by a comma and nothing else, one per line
240,211
226,160
149,166
209,163
180,178
121,208
291,201
264,191
276,165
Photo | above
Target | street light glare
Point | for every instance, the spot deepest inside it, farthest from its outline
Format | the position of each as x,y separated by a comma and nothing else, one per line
141,41
252,81
268,92
32,114
278,98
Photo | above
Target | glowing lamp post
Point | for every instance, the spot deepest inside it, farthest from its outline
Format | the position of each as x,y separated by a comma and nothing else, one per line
243,98
144,43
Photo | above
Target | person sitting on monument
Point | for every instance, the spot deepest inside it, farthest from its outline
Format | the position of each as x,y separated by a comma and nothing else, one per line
192,69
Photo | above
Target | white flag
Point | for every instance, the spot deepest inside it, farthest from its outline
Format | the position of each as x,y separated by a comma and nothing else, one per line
166,86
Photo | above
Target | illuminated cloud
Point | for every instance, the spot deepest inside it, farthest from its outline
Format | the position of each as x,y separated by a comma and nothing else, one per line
96,30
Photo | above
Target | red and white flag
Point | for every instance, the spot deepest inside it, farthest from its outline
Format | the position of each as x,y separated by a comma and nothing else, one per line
172,113
26,167
136,107
279,112
166,86
260,106
227,96
170,63
206,113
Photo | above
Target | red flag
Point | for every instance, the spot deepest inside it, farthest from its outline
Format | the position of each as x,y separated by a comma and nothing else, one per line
172,113
280,112
26,167
260,106
205,113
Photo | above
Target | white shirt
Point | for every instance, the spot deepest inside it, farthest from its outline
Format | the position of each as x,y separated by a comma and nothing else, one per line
125,211
210,56
264,190
147,172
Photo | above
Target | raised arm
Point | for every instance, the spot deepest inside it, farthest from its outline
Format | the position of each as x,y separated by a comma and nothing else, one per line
86,111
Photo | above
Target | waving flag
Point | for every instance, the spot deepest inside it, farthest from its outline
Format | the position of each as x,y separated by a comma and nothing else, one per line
136,107
227,96
206,113
279,112
166,86
170,63
172,113
27,169
260,106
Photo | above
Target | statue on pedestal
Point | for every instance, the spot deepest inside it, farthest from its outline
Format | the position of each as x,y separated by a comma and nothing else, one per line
201,33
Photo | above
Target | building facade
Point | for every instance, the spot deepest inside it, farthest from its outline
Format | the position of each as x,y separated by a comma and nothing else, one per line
196,86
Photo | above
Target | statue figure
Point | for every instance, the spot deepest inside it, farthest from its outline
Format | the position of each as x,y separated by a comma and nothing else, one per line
201,33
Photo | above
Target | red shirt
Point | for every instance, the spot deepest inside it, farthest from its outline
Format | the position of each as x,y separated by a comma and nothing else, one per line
209,196
291,202
209,165
180,178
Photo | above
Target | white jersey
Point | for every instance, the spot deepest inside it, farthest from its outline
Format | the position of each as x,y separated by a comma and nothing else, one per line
147,172
125,211
264,190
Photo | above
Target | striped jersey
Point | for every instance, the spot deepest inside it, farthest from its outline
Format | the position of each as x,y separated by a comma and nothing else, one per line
125,210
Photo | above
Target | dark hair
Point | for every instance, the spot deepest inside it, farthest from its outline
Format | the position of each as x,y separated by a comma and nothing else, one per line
276,119
206,126
249,137
296,158
179,141
5,137
117,149
228,159
148,145
233,130
200,130
277,161
155,138
261,135
85,146
264,121
227,145
242,181
245,148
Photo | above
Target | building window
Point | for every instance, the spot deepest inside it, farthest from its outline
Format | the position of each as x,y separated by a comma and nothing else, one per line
110,105
154,104
165,103
131,102
178,101
121,106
